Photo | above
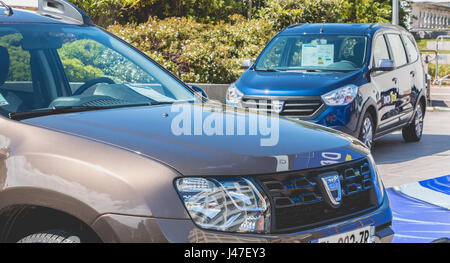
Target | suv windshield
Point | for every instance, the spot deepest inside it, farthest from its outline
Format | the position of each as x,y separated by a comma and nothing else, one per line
55,66
314,53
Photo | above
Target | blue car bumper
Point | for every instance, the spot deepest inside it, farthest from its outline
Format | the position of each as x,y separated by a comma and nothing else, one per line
342,118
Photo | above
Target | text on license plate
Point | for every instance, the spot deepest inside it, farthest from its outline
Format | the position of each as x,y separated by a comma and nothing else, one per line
360,235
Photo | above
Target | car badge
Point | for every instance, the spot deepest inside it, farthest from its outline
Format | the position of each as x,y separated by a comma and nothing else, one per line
332,187
277,106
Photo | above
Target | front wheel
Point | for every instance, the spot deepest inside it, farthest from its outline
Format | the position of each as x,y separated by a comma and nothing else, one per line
413,132
367,130
51,236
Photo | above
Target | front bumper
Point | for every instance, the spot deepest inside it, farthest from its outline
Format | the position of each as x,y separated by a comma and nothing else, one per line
122,228
342,118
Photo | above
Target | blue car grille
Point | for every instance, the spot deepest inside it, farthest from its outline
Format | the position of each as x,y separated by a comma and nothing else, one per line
295,108
298,201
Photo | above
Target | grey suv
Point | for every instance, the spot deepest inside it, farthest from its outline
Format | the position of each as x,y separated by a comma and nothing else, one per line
96,146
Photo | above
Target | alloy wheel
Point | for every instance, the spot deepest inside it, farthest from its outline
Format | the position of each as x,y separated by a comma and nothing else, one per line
367,133
418,121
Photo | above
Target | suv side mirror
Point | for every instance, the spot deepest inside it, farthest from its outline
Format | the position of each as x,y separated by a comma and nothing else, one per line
246,63
197,89
385,65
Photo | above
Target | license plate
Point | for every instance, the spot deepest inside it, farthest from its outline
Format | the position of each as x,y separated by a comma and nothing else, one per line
360,235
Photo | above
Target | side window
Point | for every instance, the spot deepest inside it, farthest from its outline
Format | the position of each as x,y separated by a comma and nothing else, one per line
19,59
398,50
16,89
411,48
380,50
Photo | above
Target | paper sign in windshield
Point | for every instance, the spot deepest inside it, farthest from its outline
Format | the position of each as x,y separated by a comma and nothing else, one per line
317,55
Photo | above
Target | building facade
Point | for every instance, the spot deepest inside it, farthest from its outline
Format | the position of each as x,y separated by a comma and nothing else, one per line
429,17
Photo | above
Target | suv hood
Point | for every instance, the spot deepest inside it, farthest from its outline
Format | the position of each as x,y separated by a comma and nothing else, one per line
294,83
147,131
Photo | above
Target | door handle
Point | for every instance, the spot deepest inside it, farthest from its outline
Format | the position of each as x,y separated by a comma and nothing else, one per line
412,73
395,80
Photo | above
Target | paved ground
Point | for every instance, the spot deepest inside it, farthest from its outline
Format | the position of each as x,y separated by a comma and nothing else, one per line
400,162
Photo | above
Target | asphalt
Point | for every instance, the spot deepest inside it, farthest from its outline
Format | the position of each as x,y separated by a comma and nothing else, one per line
400,162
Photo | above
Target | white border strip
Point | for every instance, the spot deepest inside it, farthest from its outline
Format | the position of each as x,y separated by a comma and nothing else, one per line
417,191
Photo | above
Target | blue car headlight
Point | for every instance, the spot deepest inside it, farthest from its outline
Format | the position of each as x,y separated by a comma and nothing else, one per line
341,96
225,204
234,95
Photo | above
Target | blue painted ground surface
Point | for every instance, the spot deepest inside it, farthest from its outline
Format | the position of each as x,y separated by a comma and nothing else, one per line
416,221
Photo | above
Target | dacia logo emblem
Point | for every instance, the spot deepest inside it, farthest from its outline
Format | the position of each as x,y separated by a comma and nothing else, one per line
331,185
277,106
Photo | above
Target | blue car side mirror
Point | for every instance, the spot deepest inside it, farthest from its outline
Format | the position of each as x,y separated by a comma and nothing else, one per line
385,65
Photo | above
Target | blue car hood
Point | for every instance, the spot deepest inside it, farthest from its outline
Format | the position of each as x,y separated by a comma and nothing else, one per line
294,83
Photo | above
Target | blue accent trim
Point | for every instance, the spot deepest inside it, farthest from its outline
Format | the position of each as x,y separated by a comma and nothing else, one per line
415,221
440,184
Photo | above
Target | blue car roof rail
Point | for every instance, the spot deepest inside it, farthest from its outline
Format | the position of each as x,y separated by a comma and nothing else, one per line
386,25
63,10
295,25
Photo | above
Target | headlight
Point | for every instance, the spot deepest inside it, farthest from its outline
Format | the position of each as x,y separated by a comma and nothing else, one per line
225,204
341,96
377,180
234,95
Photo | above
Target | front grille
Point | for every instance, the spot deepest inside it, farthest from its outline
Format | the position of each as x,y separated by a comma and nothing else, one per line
298,201
295,108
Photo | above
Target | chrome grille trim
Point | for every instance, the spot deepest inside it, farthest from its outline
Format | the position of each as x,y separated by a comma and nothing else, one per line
300,107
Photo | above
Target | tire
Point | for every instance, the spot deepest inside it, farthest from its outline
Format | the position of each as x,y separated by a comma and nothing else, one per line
441,240
413,132
366,131
51,236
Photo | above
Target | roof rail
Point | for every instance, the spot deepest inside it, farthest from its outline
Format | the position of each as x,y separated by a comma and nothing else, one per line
385,25
63,10
295,25
8,9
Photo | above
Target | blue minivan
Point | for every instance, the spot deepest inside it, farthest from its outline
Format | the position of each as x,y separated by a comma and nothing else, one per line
366,80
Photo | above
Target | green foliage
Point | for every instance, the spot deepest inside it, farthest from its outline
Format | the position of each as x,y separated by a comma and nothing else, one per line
199,52
86,59
281,13
444,70
78,59
366,11
106,12
19,68
79,72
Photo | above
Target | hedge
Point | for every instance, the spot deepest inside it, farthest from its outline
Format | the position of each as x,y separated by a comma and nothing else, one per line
197,52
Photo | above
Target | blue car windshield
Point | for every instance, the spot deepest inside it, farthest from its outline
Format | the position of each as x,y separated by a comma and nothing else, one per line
45,66
314,53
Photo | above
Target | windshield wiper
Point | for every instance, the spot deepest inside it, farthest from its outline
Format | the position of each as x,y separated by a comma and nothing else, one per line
267,69
67,109
329,70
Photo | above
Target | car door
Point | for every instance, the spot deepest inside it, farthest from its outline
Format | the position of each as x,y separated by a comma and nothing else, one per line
416,72
386,84
404,73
